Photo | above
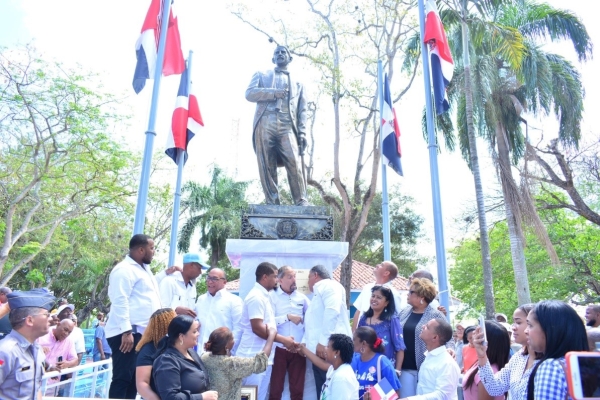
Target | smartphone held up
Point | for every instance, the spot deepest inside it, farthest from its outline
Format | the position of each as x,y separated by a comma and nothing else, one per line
583,375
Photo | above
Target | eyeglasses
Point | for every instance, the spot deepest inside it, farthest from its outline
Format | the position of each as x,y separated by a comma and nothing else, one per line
213,278
35,315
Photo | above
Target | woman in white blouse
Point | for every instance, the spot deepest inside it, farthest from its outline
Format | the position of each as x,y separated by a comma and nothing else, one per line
341,382
514,376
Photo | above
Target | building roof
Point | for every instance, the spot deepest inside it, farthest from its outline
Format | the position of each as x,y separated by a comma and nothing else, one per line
362,274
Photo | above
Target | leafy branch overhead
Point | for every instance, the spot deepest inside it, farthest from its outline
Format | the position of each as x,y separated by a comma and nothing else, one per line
59,157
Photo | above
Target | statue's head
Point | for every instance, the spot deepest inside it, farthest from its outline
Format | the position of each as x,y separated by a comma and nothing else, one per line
282,56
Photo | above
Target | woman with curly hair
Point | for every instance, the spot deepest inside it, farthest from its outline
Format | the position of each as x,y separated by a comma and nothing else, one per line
413,318
146,349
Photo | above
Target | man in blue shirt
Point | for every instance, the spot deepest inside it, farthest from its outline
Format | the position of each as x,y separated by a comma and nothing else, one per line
101,350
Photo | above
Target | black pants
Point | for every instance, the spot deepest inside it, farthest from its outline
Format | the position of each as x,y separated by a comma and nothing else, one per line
123,380
320,378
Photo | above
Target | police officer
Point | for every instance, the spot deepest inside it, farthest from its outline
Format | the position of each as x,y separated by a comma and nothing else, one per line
21,372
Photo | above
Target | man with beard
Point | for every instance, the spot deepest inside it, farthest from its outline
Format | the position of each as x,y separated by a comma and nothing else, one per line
592,316
289,306
257,316
134,296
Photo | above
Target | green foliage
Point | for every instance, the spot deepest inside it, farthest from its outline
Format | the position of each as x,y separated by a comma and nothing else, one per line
405,231
215,211
59,158
577,277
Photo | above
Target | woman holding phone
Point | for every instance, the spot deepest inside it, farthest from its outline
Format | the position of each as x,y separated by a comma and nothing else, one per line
514,376
497,353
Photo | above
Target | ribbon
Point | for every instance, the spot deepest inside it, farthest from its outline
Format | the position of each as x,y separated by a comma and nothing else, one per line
377,343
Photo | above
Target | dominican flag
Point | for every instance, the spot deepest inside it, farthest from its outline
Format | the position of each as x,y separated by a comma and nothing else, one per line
442,66
186,121
383,391
390,148
146,47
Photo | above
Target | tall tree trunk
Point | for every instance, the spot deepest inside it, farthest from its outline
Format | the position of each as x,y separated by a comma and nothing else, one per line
346,275
513,217
486,258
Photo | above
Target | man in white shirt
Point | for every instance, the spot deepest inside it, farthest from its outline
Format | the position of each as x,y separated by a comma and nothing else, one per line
134,296
384,273
326,314
217,307
178,290
289,306
257,316
78,338
439,373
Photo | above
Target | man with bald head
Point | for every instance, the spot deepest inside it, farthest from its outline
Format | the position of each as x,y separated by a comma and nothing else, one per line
384,273
58,344
217,307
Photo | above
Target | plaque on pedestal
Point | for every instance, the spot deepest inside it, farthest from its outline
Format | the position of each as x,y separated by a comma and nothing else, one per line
287,222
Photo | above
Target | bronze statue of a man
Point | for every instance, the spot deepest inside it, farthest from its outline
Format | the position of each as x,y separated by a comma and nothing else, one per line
279,135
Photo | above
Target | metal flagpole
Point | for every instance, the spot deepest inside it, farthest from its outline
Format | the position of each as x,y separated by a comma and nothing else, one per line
387,253
440,248
180,161
140,208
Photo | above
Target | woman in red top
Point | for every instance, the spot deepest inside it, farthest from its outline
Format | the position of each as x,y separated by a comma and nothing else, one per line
469,353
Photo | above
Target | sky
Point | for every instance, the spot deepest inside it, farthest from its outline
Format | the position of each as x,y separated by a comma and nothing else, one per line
100,36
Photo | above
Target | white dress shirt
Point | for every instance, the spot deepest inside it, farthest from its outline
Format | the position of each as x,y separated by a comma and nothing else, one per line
222,309
175,293
284,304
257,305
438,376
134,296
363,301
326,314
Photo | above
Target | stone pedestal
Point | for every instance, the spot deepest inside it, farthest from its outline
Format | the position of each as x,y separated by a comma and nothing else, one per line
302,255
301,237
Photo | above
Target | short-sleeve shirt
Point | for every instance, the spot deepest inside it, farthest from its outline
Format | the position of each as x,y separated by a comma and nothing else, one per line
363,301
145,356
366,372
21,373
100,334
340,383
257,305
390,333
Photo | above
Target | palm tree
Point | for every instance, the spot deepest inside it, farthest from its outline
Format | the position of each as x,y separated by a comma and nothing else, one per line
215,210
506,81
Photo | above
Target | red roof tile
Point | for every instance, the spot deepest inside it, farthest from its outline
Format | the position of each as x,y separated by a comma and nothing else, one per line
362,274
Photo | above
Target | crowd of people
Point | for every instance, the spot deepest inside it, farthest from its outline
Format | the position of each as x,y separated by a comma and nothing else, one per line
167,344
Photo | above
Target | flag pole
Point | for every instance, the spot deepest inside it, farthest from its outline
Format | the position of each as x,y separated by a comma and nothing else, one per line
440,248
142,199
180,162
387,254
